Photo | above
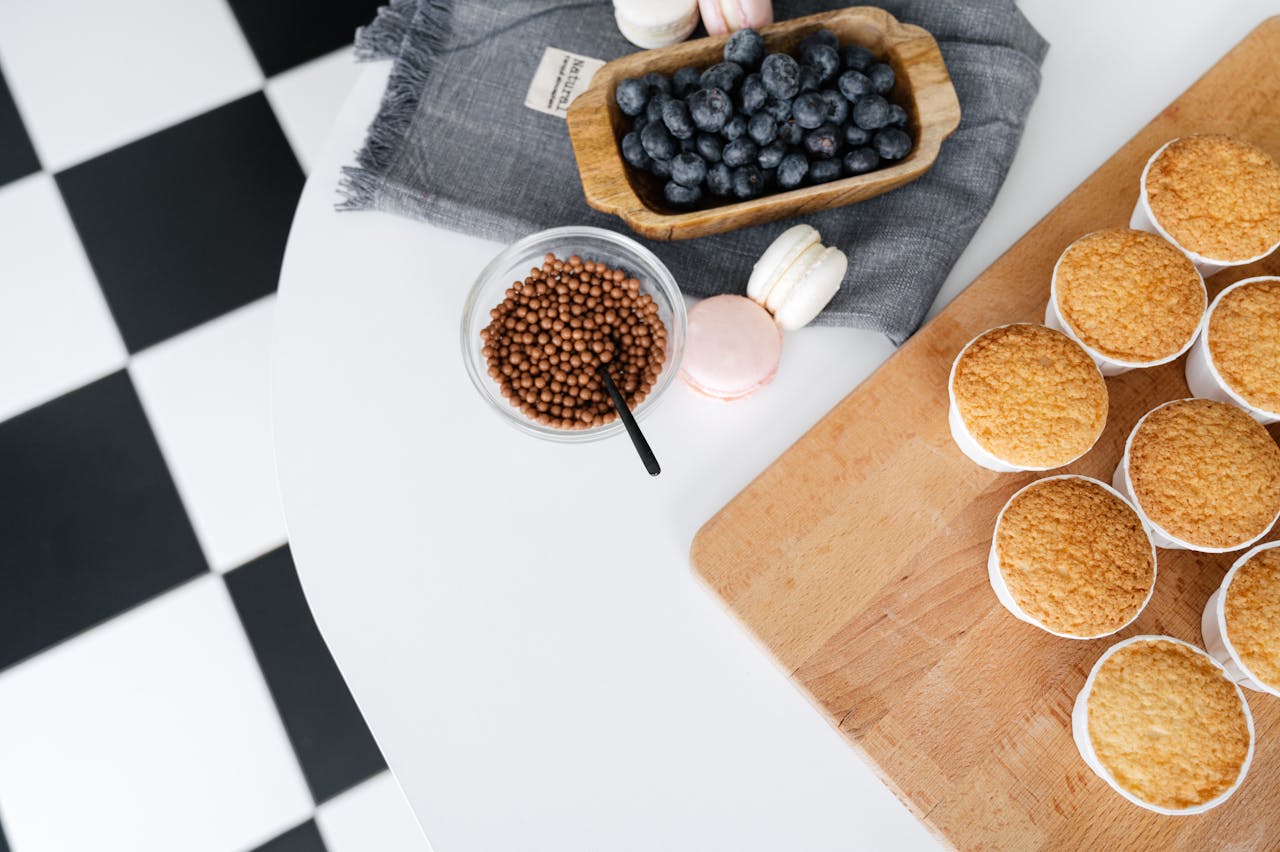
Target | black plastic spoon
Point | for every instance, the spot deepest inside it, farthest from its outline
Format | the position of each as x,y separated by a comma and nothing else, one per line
633,429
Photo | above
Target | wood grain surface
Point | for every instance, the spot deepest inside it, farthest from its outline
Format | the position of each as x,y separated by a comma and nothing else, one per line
858,558
596,126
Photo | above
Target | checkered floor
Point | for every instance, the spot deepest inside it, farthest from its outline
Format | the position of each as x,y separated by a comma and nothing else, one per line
162,683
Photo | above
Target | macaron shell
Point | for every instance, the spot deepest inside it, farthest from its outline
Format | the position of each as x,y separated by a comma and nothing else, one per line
732,347
741,14
791,276
656,23
813,291
713,17
780,254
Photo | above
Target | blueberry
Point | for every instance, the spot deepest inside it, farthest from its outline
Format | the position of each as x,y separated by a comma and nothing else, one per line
739,152
820,37
631,95
762,128
837,106
633,151
897,116
744,47
790,133
770,179
821,171
854,85
810,78
892,143
779,108
859,161
657,83
771,155
680,195
855,57
810,110
733,128
688,169
675,115
709,147
748,181
792,171
751,94
881,78
780,75
710,109
685,80
660,168
689,146
823,142
720,180
723,76
658,143
638,123
871,112
855,136
823,58
653,110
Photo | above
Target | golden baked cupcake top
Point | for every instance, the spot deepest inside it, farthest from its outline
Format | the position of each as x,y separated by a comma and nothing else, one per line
1216,196
1075,556
1030,396
1252,611
1167,724
1130,295
1244,340
1206,473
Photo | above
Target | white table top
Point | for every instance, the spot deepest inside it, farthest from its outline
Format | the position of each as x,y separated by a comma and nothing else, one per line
538,675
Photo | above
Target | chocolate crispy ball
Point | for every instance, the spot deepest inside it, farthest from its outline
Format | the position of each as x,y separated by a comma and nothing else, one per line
551,332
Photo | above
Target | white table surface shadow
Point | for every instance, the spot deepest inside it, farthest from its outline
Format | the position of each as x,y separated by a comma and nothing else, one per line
517,619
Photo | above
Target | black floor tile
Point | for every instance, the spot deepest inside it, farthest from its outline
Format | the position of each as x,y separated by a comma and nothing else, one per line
188,223
17,157
285,33
300,838
90,521
328,733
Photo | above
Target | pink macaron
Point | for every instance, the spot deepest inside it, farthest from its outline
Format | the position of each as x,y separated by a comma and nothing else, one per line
726,16
733,347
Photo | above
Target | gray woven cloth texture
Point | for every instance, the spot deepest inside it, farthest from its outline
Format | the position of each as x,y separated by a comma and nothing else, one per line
453,144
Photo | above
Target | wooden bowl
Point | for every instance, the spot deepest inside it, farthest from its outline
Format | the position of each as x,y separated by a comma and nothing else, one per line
596,126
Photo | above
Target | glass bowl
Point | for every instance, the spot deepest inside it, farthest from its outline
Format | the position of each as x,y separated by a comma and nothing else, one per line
596,244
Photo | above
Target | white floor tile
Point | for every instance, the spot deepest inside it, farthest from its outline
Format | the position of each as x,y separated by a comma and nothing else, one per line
56,332
306,100
372,815
207,395
154,731
120,70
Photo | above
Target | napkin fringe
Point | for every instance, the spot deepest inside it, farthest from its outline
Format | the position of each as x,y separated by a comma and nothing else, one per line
417,39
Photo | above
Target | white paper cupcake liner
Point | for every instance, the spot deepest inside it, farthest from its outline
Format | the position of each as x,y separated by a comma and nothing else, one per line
1080,732
1161,537
1203,377
1144,220
1213,626
965,440
996,575
1107,365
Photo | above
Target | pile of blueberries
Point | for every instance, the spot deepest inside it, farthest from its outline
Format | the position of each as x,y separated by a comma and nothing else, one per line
759,123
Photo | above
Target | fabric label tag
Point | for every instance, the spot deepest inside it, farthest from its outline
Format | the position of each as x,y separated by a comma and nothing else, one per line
561,77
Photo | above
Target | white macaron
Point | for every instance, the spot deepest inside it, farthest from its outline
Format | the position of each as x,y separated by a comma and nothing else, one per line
656,23
797,276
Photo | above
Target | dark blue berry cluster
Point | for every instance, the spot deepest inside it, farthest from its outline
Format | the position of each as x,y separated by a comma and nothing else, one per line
763,122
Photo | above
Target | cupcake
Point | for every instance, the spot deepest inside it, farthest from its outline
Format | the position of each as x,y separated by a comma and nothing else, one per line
1072,557
1237,356
1216,198
1025,397
1130,298
1204,474
1241,622
1160,721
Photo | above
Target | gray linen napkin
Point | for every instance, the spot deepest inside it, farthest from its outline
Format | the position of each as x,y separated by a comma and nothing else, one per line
453,144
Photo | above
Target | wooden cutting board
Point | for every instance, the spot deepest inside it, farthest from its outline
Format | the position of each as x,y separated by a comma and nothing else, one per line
858,558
